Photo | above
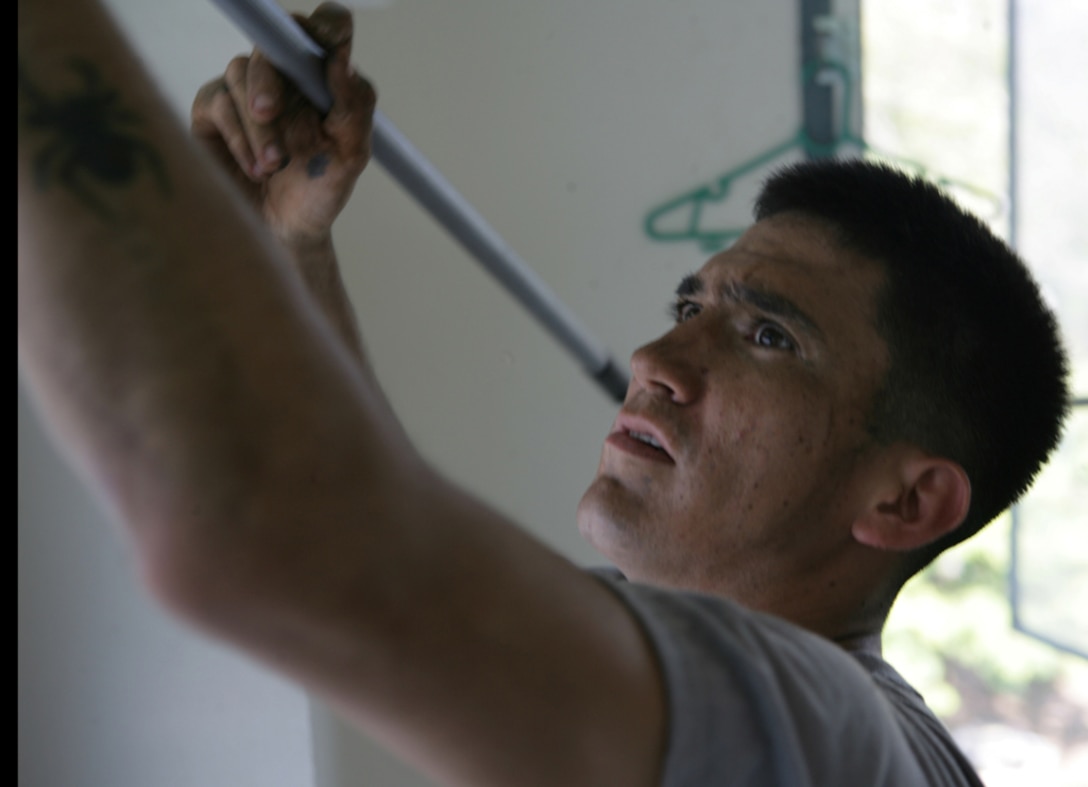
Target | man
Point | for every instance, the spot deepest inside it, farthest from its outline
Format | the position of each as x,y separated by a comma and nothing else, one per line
830,411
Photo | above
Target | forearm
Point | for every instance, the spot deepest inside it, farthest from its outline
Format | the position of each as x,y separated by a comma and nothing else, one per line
318,267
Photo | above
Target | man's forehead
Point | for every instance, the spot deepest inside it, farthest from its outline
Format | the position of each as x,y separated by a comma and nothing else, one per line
791,231
790,247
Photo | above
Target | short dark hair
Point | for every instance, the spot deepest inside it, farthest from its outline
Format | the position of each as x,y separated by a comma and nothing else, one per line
977,370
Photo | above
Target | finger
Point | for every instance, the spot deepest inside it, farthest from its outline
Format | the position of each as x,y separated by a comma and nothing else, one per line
234,135
349,89
349,120
235,78
331,25
259,137
265,93
216,123
264,86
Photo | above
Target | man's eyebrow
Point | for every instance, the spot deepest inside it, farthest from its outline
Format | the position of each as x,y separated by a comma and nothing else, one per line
689,285
764,300
772,303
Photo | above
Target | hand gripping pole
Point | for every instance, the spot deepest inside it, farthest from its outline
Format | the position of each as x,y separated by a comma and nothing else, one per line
295,54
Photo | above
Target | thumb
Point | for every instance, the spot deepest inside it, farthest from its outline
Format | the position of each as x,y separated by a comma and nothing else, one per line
331,26
351,93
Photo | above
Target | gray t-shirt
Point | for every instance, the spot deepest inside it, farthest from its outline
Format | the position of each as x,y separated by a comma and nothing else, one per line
755,700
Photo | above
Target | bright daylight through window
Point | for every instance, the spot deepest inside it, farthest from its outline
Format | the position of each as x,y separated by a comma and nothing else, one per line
984,94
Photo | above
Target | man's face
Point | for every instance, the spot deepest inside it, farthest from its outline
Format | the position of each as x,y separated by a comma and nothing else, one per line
758,398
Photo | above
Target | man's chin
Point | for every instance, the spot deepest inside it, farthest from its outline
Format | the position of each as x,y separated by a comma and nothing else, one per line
609,519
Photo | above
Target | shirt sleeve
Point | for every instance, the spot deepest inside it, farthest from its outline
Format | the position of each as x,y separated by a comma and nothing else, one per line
754,700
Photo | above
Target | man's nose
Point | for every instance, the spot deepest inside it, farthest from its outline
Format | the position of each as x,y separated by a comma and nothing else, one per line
670,366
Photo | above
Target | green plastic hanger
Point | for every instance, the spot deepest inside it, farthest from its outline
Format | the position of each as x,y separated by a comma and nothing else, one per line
713,239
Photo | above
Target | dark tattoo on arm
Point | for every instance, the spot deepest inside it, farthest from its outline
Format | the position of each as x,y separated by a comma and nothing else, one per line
317,165
92,144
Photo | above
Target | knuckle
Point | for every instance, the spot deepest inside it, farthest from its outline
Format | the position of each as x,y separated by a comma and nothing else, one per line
236,70
367,93
259,66
210,100
221,103
202,98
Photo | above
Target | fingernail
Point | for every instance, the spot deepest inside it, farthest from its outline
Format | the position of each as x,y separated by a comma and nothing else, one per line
262,102
271,154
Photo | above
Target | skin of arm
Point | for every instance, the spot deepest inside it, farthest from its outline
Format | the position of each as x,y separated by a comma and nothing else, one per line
270,496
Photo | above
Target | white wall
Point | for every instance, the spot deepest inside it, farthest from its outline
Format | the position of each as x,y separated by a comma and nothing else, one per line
563,123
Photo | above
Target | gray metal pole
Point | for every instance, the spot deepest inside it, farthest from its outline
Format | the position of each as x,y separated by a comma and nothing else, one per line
294,53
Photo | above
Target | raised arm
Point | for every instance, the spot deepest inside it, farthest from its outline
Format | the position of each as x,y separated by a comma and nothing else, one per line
270,496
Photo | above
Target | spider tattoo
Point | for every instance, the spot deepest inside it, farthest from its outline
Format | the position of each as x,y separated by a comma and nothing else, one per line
93,142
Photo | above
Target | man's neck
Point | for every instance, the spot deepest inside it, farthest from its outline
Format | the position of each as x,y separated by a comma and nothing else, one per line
863,642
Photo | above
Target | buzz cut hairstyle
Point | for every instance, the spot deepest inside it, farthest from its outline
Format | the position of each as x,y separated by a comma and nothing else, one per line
977,371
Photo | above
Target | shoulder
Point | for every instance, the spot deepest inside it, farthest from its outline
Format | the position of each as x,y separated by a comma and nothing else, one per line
940,758
754,699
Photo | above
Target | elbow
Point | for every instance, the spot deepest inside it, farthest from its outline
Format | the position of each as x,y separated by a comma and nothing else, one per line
205,552
288,552
222,582
190,576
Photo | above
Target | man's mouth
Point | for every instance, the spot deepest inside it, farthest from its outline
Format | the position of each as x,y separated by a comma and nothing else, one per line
635,439
649,439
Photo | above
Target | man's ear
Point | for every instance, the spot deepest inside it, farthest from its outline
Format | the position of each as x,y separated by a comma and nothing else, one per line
927,498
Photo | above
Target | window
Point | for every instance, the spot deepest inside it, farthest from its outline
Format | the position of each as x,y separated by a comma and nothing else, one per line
987,95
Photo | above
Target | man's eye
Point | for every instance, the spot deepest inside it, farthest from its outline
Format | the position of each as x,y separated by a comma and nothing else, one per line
773,337
683,311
